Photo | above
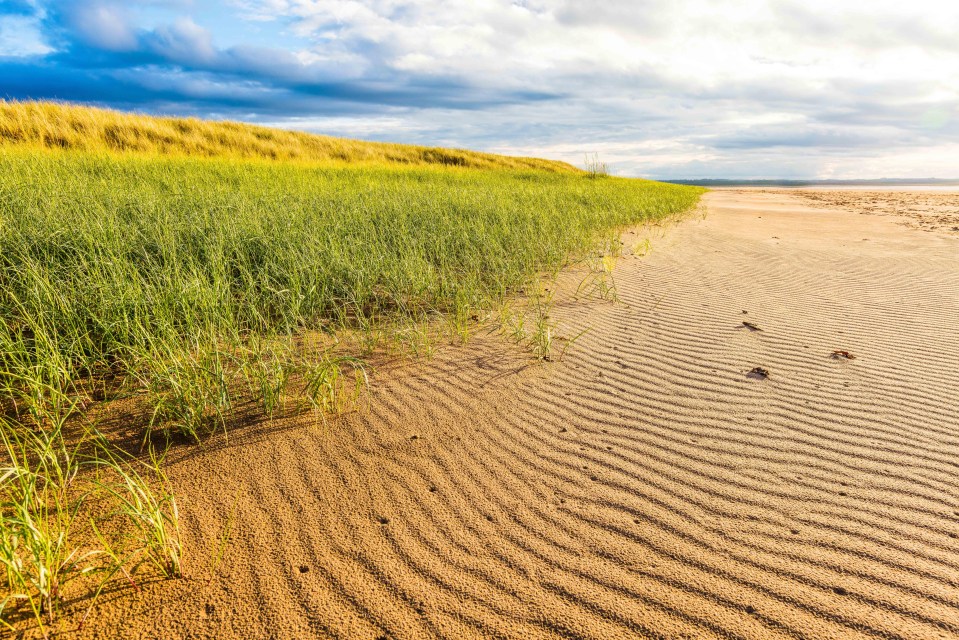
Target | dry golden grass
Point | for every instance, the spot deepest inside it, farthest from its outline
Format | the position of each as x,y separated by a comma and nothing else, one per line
63,126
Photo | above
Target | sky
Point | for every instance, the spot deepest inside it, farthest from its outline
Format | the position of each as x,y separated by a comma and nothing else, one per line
654,88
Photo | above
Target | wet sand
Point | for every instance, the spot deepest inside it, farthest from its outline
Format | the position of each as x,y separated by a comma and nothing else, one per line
645,486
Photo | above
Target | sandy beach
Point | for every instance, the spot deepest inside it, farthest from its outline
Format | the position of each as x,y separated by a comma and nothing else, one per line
647,485
930,209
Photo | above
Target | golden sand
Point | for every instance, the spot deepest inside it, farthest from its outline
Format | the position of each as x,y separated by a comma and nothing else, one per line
646,485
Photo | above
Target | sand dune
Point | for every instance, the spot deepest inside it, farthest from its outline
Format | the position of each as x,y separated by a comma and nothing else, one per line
644,486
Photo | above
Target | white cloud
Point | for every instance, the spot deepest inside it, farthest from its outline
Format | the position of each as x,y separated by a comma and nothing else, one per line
103,25
657,87
20,37
183,40
665,87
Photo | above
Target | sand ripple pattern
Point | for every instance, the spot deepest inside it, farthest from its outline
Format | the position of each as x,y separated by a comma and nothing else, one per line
644,487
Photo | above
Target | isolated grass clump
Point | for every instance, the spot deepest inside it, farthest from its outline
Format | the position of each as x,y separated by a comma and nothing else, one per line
50,537
595,168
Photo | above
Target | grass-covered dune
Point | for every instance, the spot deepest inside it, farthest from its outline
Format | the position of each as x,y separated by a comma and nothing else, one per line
179,269
59,126
122,261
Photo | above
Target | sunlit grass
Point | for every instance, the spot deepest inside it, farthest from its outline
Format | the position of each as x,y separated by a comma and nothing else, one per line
46,487
199,266
159,269
61,126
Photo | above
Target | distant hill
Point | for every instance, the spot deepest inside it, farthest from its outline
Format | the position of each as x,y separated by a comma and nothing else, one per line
64,126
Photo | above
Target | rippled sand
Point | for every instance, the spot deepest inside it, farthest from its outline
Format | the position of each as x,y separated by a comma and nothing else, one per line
929,210
644,486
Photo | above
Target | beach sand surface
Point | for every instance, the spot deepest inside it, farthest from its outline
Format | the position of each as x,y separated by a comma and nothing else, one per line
931,209
647,485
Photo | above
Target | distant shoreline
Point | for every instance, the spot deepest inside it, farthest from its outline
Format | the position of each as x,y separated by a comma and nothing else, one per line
881,182
887,188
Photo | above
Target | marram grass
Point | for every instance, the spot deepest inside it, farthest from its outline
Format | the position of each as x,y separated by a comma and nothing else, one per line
105,259
183,260
60,126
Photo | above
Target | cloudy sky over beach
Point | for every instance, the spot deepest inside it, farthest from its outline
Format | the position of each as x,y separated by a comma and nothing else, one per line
657,88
